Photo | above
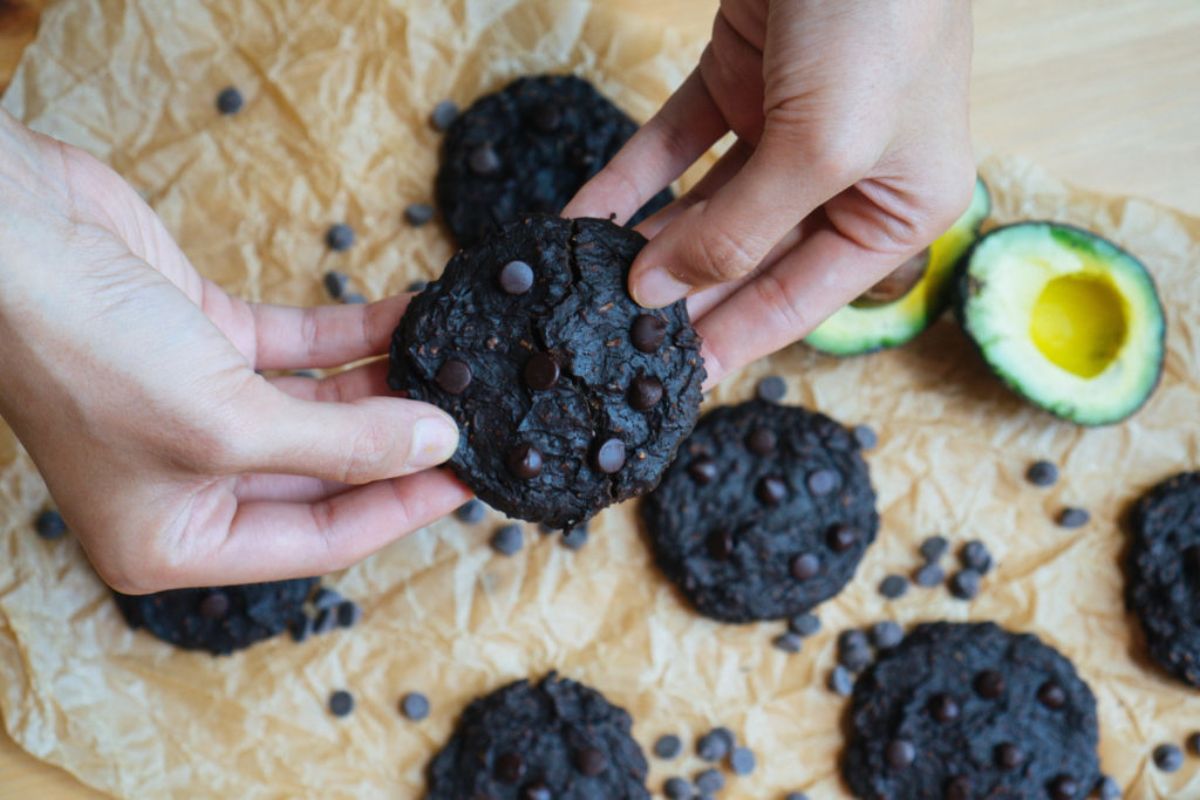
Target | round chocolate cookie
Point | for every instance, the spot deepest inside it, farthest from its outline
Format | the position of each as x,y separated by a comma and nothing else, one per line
568,395
1163,573
528,148
553,739
766,512
963,710
219,619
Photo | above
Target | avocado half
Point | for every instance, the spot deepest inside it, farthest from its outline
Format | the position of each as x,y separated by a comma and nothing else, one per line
869,323
1066,318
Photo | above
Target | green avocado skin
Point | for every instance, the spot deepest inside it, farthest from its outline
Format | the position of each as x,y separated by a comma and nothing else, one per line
966,286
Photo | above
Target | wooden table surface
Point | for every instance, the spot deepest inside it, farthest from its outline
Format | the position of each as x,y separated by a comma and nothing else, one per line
1103,93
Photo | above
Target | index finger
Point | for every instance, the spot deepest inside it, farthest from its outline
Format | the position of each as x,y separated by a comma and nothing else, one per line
288,337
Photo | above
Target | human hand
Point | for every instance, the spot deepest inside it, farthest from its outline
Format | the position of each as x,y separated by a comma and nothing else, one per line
852,154
131,382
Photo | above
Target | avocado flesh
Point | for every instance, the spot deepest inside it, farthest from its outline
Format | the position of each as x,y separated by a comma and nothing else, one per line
1066,318
865,326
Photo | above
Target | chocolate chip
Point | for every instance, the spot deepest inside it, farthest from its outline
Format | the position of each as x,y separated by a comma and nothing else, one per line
771,389
229,100
943,707
547,118
958,788
300,628
761,441
326,621
536,791
609,456
508,540
900,753
989,684
1071,517
644,392
893,587
788,642
742,761
974,555
516,277
335,284
865,436
215,605
822,481
933,548
842,537
483,159
804,566
965,584
886,634
712,746
710,781
1108,789
1168,757
541,372
929,576
525,461
418,214
1193,743
854,650
414,706
668,746
348,614
677,788
703,470
508,768
648,332
303,373
795,796
50,525
804,624
326,598
590,761
453,377
443,115
771,491
1007,755
720,544
341,703
416,286
354,299
841,681
339,237
1052,695
470,512
576,537
1042,473
1064,787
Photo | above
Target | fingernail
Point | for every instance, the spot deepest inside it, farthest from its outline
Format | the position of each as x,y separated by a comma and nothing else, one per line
657,288
434,440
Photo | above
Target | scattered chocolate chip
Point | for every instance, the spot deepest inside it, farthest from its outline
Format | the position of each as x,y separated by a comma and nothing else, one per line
677,788
842,538
508,539
720,544
795,796
536,791
1168,757
339,237
416,286
229,100
1193,743
418,214
964,584
609,456
854,650
893,587
771,389
354,299
805,566
648,332
508,767
215,605
326,598
335,284
576,537
841,681
303,373
788,642
761,441
348,614
300,628
525,462
710,781
929,575
50,525
516,277
703,470
341,703
974,555
644,392
1064,787
804,624
989,684
590,761
541,372
958,788
865,436
1052,696
547,118
1008,756
1108,789
453,377
443,115
414,706
886,634
770,490
944,708
326,621
713,746
742,761
1071,517
933,548
470,512
900,753
483,160
1042,473
668,746
822,481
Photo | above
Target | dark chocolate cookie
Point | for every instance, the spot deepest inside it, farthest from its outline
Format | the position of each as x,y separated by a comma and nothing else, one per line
1163,580
528,148
766,512
554,739
219,619
969,710
568,395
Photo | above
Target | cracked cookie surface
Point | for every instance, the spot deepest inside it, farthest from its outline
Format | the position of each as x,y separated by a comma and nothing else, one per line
568,395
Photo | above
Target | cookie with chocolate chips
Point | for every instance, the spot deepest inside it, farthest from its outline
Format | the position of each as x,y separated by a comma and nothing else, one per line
220,619
1163,573
962,710
568,395
766,512
528,148
552,739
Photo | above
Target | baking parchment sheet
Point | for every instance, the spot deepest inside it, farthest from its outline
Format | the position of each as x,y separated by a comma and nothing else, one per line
335,129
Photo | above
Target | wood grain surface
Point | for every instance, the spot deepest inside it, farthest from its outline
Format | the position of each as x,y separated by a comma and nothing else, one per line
1104,94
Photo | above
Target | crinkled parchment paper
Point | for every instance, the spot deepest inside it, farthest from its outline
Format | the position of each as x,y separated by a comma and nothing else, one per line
334,129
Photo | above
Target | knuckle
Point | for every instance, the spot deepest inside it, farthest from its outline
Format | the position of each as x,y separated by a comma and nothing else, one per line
784,313
370,451
720,255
